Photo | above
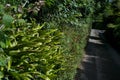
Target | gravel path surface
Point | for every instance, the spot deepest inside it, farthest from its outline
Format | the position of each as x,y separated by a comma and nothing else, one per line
100,62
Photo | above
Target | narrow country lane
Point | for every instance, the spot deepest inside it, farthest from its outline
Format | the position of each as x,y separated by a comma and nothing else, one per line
100,62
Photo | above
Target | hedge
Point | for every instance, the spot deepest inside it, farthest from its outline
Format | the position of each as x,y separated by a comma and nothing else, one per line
45,43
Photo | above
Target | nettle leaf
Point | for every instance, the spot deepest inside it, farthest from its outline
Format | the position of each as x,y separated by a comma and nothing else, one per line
7,20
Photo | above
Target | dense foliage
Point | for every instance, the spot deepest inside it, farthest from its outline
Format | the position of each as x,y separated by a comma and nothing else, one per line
33,53
107,17
112,22
43,40
28,50
73,18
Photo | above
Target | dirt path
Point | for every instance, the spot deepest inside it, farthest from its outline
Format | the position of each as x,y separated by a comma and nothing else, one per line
101,61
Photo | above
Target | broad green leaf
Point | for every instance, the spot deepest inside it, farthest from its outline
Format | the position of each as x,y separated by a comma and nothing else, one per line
7,20
9,61
21,21
19,15
26,76
2,44
44,77
1,50
16,75
3,61
1,9
4,40
1,75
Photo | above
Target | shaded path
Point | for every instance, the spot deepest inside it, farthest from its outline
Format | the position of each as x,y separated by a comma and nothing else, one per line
101,62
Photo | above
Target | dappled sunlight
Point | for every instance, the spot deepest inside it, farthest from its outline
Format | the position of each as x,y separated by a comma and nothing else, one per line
97,63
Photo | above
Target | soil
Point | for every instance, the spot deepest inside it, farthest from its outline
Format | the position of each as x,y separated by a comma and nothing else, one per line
100,61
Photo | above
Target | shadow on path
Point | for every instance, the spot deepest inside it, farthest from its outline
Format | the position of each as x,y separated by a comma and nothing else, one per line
97,63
